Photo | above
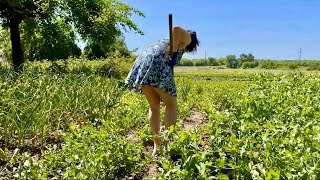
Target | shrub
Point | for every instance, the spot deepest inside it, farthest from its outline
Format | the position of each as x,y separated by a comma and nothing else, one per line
313,66
247,65
113,67
268,64
293,66
186,62
201,62
213,61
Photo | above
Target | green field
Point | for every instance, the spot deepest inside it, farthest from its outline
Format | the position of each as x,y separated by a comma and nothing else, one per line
79,121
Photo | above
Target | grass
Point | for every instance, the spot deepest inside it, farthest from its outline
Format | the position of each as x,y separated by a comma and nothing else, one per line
81,124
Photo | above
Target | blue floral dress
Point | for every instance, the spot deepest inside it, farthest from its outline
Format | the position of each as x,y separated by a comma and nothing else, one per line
151,68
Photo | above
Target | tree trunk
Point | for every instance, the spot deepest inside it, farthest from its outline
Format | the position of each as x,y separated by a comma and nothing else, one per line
17,53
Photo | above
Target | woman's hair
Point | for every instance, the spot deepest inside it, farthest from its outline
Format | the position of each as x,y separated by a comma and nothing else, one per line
192,47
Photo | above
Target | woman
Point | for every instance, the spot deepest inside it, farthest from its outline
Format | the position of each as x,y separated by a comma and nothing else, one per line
152,75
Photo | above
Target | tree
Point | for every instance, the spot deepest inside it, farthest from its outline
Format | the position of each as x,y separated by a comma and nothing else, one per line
243,57
246,58
120,47
117,48
49,40
250,57
97,22
232,61
213,61
12,13
222,61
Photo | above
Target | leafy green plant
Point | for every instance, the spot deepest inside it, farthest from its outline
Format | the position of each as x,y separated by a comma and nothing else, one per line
78,124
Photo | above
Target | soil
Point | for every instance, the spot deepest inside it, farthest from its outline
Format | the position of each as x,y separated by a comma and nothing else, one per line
195,119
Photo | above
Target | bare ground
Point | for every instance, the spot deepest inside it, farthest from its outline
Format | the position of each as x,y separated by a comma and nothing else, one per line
195,119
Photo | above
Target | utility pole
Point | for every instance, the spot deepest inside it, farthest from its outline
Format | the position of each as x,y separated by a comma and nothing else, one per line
300,52
205,54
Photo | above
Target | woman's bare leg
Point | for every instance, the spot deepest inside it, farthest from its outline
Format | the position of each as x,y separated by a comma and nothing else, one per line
171,107
154,114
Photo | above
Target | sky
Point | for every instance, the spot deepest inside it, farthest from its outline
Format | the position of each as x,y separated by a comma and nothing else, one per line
269,29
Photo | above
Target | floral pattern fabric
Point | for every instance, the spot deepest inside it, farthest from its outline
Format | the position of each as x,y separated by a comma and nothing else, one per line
151,68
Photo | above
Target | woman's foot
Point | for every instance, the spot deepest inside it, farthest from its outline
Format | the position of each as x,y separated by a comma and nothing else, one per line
159,147
156,144
154,152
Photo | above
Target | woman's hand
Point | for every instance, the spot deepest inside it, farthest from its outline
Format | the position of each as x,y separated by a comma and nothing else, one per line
173,60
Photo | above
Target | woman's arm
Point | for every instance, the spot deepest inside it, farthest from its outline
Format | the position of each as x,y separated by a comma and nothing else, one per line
180,37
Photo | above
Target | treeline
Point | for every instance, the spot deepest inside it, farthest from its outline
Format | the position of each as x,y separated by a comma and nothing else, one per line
230,61
246,61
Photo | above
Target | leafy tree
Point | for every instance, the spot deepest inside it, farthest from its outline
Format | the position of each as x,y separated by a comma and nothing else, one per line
99,23
13,12
222,61
58,23
49,40
250,57
232,61
243,57
213,61
117,48
121,48
246,58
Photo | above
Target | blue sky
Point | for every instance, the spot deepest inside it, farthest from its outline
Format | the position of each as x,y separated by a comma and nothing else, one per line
273,29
